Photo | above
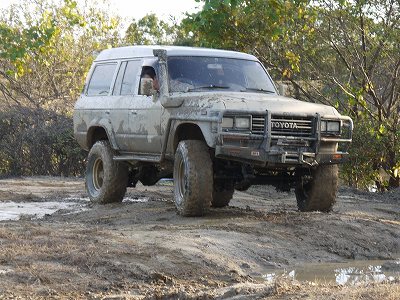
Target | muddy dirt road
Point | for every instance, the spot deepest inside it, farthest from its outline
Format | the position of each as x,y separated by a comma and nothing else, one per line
258,247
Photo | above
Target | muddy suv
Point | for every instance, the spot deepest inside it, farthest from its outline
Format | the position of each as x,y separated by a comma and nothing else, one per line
211,119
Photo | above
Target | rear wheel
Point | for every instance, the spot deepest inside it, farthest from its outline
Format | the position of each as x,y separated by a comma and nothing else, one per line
193,178
106,179
319,193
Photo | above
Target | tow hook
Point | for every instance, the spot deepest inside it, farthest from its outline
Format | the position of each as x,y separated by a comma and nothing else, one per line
313,163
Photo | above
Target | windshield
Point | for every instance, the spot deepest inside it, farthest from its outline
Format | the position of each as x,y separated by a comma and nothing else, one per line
187,74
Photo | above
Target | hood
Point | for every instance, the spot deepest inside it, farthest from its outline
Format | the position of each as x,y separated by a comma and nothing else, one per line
255,102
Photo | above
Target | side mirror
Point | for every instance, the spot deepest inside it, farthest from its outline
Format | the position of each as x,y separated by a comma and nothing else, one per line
146,87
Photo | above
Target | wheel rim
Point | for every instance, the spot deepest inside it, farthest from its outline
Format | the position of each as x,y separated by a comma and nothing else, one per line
98,174
181,181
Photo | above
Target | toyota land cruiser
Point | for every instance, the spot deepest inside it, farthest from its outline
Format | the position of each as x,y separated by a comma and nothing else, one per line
213,120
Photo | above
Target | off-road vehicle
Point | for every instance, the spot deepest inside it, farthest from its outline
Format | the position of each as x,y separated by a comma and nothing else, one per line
211,119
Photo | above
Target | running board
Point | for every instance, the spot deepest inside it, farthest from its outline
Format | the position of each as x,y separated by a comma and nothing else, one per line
139,157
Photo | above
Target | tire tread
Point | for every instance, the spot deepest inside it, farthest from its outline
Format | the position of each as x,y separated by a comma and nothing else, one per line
115,180
320,191
198,196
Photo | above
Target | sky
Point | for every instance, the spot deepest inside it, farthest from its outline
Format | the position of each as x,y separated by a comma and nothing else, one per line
139,8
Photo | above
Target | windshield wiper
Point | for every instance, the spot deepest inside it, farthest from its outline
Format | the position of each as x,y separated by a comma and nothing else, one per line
211,86
258,90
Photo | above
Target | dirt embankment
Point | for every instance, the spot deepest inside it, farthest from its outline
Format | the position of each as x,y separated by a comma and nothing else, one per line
141,249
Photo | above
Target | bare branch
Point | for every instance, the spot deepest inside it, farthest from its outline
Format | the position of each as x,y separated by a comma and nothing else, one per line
347,92
394,94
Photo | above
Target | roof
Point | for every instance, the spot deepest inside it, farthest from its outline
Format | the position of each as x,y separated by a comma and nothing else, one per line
147,51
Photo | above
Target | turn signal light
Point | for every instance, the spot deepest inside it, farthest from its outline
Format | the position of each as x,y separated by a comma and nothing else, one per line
337,156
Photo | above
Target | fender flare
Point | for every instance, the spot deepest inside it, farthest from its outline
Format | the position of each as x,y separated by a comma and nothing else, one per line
106,125
173,124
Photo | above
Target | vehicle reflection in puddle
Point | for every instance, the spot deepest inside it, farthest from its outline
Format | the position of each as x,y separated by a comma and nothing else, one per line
348,273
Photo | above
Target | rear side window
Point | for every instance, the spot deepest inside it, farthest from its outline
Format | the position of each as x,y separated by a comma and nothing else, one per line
100,82
127,78
118,81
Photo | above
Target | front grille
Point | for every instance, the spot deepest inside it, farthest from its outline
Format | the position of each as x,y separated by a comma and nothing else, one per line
291,126
258,124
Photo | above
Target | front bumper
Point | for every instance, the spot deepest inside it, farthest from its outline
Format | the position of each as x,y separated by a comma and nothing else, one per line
272,149
261,157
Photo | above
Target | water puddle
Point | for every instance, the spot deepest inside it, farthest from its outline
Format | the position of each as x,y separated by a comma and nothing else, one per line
4,270
10,210
347,273
135,200
125,200
166,181
77,199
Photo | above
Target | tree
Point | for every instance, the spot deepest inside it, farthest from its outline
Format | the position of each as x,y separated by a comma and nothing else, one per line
47,49
342,53
150,30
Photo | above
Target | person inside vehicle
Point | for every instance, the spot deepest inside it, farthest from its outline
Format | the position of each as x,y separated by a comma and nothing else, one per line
148,72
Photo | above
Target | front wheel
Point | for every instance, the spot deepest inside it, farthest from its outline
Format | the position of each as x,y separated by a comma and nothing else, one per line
319,193
106,179
193,178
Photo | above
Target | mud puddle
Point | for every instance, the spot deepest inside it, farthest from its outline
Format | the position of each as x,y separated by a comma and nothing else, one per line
346,273
11,210
37,210
135,200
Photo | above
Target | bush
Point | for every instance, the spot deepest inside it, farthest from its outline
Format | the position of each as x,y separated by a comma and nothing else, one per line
38,142
374,157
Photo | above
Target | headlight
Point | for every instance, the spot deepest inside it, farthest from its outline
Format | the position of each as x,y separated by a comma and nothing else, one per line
242,123
330,127
333,126
323,126
236,122
227,122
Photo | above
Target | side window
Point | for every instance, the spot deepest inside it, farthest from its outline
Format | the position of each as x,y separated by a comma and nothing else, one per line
118,81
128,85
100,82
148,72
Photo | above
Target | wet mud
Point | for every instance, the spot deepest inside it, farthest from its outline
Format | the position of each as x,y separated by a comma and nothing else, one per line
55,244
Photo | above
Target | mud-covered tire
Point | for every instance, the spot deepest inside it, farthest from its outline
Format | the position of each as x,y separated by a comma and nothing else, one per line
222,198
193,178
222,194
106,179
319,193
242,186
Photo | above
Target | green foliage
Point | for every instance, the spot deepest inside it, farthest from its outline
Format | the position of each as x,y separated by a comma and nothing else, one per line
261,27
373,156
46,51
362,170
47,48
340,53
18,43
150,30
